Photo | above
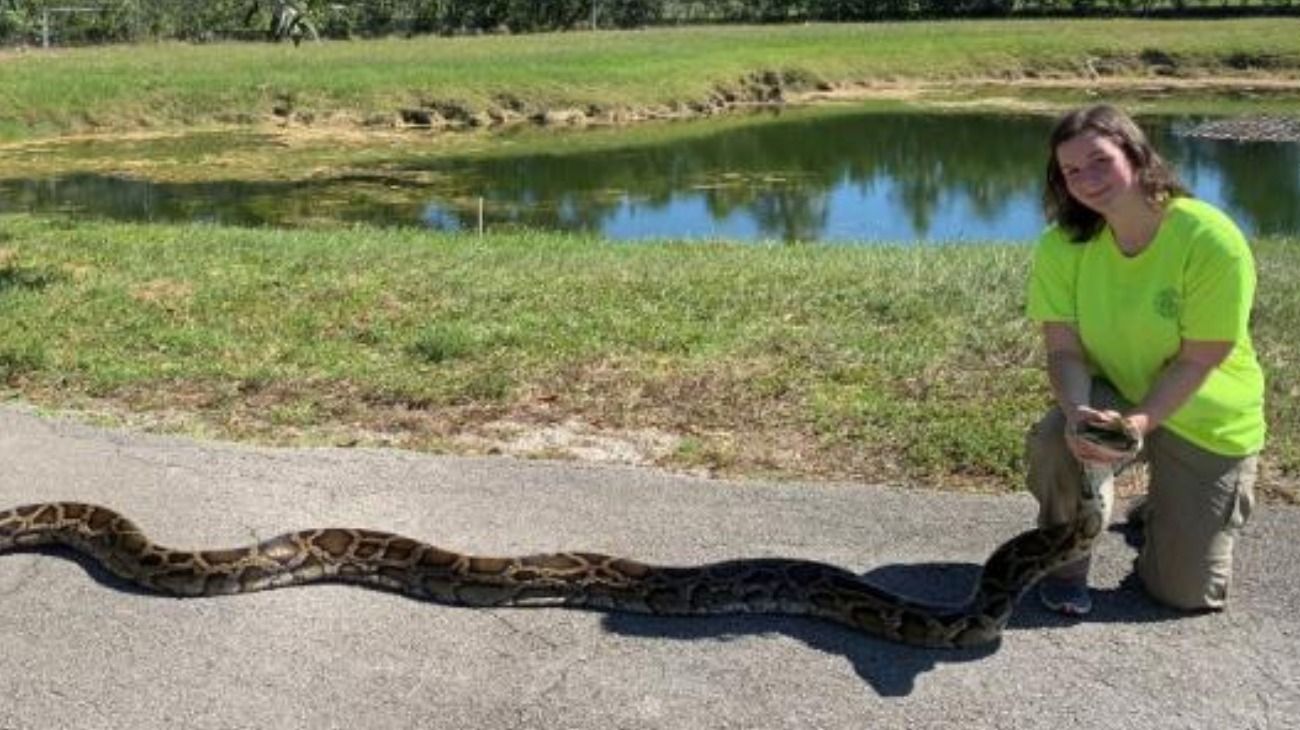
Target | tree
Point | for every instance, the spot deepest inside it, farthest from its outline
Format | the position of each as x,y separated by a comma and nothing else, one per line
288,21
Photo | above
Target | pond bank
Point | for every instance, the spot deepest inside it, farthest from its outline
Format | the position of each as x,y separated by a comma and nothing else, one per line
761,91
771,90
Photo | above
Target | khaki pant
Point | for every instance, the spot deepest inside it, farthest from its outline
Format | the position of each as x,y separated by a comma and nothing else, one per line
1197,501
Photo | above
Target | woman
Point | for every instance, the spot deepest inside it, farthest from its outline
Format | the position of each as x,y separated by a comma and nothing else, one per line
1143,295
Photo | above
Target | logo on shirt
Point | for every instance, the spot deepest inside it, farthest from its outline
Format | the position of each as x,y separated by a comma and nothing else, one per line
1168,303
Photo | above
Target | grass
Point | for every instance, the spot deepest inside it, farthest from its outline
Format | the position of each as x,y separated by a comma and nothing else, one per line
176,85
908,364
900,364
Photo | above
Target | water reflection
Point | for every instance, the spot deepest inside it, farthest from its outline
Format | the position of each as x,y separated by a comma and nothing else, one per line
861,177
843,177
836,177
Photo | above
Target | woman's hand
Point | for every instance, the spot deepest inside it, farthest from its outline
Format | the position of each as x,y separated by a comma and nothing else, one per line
1090,452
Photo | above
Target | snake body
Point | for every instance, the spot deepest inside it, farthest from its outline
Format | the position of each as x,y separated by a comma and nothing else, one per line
389,561
578,579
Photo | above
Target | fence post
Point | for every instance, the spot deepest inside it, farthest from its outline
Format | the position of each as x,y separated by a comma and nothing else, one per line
45,28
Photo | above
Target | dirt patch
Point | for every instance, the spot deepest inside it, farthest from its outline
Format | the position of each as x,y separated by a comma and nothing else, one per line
10,54
166,293
313,414
571,439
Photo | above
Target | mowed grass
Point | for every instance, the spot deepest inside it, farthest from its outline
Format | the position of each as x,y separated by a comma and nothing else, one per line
172,84
909,364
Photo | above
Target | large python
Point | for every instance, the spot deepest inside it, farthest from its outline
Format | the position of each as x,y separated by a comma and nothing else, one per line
588,580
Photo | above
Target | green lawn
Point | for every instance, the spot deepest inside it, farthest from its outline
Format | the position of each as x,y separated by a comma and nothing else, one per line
871,363
171,84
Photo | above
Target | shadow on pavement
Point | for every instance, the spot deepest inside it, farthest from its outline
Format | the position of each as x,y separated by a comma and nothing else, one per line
890,669
1126,603
93,568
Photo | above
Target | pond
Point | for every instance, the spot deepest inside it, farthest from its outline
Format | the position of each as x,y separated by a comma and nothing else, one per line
837,177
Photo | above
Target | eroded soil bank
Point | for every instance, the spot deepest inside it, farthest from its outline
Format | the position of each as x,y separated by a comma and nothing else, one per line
774,89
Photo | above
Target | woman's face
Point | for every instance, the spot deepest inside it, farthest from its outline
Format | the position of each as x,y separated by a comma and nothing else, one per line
1097,172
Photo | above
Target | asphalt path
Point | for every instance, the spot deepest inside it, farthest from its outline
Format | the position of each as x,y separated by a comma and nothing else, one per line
81,650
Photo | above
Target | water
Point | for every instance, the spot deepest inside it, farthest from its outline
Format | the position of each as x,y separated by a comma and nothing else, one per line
803,177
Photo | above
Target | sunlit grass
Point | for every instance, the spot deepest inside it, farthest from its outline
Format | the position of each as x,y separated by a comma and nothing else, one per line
171,84
876,363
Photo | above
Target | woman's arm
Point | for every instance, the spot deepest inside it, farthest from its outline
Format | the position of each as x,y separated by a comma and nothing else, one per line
1179,380
1067,368
1071,378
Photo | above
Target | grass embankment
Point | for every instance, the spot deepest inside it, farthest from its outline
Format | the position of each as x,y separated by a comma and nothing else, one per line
614,74
909,364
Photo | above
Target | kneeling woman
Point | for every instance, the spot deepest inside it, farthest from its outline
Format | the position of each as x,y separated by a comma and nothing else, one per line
1144,295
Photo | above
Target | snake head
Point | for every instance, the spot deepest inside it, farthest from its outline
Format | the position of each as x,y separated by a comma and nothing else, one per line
1116,435
1119,438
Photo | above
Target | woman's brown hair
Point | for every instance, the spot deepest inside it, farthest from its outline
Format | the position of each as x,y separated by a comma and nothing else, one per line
1155,176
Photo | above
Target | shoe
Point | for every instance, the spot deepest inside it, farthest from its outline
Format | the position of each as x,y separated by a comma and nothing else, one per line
1066,590
1066,597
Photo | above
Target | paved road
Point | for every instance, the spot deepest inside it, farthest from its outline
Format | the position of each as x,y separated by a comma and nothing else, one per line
79,651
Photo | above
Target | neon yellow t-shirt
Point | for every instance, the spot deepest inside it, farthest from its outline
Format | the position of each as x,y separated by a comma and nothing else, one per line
1196,281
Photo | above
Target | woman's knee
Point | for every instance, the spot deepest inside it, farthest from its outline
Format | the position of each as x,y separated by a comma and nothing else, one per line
1205,590
1053,475
1198,504
1045,440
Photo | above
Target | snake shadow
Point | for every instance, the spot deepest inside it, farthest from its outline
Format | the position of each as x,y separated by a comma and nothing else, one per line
92,567
892,669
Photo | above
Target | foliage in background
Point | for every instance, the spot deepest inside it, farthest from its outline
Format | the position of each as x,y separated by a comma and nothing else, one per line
132,20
